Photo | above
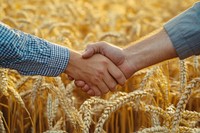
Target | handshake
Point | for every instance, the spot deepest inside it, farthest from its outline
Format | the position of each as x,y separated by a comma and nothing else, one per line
102,66
99,69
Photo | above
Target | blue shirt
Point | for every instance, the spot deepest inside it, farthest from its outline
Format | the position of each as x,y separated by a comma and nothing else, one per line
30,55
184,32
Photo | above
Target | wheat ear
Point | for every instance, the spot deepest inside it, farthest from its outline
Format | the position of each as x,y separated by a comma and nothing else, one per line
2,128
116,105
182,103
157,129
4,81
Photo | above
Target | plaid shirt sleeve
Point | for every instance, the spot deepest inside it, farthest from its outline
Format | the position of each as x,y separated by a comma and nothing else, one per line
184,32
30,55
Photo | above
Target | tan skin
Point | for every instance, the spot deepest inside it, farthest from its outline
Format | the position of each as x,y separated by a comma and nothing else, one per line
98,72
150,50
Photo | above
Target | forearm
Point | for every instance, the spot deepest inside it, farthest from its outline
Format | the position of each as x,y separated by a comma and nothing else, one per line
180,37
184,32
30,55
150,50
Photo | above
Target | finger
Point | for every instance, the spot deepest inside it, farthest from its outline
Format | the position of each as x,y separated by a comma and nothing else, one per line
116,74
93,49
70,78
79,83
110,82
85,88
97,92
88,53
91,92
103,87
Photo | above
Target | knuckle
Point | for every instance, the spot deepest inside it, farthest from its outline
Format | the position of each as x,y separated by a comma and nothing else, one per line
103,42
100,72
104,63
95,79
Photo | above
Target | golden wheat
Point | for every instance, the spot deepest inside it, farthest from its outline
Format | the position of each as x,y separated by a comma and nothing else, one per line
161,98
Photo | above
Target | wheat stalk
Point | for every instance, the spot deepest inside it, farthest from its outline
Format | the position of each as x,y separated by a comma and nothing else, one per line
49,111
116,105
36,85
182,103
109,34
159,111
2,128
146,77
86,110
4,81
58,124
70,111
183,76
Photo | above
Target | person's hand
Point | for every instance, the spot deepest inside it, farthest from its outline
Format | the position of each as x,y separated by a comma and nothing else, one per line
149,50
115,54
98,72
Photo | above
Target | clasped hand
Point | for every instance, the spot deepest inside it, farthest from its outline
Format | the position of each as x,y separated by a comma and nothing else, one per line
95,73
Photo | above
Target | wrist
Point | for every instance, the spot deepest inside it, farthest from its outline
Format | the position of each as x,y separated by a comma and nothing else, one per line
139,55
131,59
71,68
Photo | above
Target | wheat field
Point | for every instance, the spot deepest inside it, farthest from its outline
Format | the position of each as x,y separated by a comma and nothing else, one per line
162,98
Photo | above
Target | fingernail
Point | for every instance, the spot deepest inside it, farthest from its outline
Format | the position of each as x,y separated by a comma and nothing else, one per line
91,92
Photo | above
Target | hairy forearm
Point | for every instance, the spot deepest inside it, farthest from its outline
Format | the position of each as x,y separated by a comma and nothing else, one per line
150,50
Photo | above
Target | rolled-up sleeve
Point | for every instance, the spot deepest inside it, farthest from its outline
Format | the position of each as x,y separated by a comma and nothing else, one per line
29,54
184,32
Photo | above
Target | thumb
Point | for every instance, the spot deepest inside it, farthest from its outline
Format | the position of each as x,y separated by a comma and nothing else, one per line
90,51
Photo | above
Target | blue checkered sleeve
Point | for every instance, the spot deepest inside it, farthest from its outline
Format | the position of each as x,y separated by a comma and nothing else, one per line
30,55
184,32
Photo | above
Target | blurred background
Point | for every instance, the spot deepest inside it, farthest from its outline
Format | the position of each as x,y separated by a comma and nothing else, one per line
75,24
